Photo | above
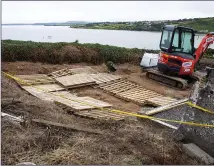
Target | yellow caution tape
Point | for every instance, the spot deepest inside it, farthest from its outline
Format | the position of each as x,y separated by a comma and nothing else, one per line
122,112
199,107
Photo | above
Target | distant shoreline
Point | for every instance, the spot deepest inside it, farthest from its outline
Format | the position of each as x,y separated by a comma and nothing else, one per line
201,25
202,33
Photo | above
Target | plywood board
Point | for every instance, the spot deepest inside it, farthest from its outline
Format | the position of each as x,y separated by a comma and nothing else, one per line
35,79
76,80
100,114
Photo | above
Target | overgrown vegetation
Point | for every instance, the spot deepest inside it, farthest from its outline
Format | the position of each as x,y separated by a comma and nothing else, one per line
202,25
58,53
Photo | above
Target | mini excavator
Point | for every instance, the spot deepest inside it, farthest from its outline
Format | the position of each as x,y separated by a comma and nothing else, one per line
178,58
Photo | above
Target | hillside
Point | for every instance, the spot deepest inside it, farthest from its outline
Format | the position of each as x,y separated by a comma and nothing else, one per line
199,24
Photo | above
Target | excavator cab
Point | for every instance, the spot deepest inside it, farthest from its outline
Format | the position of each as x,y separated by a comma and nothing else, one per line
177,46
177,39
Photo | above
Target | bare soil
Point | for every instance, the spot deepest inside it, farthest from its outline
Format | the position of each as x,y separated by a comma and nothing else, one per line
123,142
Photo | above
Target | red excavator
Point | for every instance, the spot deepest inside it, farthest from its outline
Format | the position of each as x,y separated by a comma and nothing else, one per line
178,58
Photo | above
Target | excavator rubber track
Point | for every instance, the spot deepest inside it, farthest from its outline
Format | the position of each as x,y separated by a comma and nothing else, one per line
174,82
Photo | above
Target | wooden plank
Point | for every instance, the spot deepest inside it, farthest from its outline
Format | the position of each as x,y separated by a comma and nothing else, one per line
13,118
119,84
67,99
121,90
81,103
141,102
108,113
67,71
74,104
35,79
158,101
140,96
39,93
166,107
66,94
117,89
80,85
49,87
75,80
106,84
60,73
104,77
67,126
114,84
95,114
165,124
95,102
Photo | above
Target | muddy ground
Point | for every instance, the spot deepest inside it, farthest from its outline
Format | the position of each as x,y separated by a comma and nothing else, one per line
124,142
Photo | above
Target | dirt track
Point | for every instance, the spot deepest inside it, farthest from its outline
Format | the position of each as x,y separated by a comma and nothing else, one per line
128,142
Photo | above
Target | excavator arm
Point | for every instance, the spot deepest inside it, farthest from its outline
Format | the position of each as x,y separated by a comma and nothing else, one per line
206,41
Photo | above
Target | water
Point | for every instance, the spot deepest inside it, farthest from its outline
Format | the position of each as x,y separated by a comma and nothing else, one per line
128,39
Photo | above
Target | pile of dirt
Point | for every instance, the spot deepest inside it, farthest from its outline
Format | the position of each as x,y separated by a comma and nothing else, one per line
124,142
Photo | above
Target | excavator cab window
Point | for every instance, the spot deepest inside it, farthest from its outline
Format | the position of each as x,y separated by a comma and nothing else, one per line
166,39
177,39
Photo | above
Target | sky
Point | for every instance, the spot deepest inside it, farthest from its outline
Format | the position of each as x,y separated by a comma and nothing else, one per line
98,11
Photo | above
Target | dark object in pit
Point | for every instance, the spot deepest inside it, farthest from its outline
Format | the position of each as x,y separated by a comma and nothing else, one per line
111,66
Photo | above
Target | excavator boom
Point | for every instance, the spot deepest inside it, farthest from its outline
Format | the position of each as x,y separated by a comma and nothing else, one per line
205,43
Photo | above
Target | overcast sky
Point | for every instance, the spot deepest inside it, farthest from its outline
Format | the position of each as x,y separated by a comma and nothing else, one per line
56,11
